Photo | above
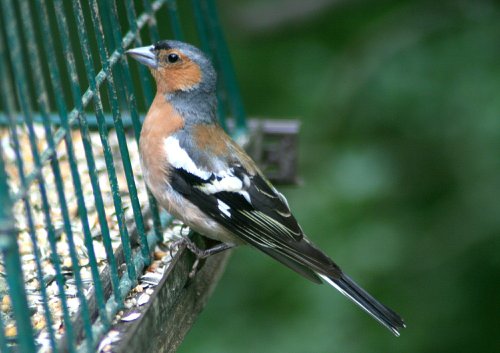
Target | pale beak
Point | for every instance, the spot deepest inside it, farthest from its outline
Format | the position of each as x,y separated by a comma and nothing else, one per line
144,55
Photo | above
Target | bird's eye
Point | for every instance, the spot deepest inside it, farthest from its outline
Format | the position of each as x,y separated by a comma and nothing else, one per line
172,58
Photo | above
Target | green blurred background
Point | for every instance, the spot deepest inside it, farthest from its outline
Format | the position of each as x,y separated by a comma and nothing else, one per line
399,160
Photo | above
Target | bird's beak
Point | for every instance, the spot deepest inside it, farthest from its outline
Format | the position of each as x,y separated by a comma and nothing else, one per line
144,55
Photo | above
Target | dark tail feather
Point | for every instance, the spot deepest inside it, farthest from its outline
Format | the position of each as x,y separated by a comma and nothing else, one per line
380,312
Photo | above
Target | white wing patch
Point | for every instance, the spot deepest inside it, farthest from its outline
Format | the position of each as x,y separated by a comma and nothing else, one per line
179,158
224,208
228,182
224,180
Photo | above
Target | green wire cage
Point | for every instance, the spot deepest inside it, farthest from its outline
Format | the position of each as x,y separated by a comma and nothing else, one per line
82,242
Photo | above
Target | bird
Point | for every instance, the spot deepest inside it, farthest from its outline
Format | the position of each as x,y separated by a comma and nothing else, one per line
205,179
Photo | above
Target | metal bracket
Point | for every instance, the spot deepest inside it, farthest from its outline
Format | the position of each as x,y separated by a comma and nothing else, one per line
273,144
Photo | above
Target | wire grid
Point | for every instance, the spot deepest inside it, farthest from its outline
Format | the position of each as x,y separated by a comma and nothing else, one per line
71,191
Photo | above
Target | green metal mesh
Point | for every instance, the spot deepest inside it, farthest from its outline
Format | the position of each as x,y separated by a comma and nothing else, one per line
68,97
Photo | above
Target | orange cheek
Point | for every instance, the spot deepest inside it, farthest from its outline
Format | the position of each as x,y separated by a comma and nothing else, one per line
180,78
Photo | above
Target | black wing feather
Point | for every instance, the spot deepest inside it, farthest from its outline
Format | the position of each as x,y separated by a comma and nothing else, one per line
266,222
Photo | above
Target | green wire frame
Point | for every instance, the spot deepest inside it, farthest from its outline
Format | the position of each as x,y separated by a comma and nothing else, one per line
29,96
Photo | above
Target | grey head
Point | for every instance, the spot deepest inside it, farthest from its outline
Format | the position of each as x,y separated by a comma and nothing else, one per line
184,76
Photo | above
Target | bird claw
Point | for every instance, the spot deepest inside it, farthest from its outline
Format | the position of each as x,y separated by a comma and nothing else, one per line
175,246
200,254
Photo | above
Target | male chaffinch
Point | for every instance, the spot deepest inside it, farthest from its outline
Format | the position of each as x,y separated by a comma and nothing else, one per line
202,177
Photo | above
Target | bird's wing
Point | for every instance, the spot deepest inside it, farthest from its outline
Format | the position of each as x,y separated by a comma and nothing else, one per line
244,203
253,212
247,205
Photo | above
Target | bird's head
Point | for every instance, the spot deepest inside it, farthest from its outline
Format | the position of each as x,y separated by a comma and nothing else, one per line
177,67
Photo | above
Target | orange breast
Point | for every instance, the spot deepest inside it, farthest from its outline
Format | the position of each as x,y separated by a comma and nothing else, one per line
161,121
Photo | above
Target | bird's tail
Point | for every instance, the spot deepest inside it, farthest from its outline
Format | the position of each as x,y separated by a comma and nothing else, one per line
377,310
313,264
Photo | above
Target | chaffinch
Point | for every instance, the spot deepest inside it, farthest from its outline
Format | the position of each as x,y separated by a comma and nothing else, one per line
202,177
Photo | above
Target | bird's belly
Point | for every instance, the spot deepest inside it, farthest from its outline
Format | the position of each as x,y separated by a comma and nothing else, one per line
196,219
182,209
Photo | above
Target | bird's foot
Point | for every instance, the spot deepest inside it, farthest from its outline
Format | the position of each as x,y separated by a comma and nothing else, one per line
200,254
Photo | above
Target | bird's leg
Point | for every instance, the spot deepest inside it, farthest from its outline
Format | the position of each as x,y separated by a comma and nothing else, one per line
199,253
204,253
